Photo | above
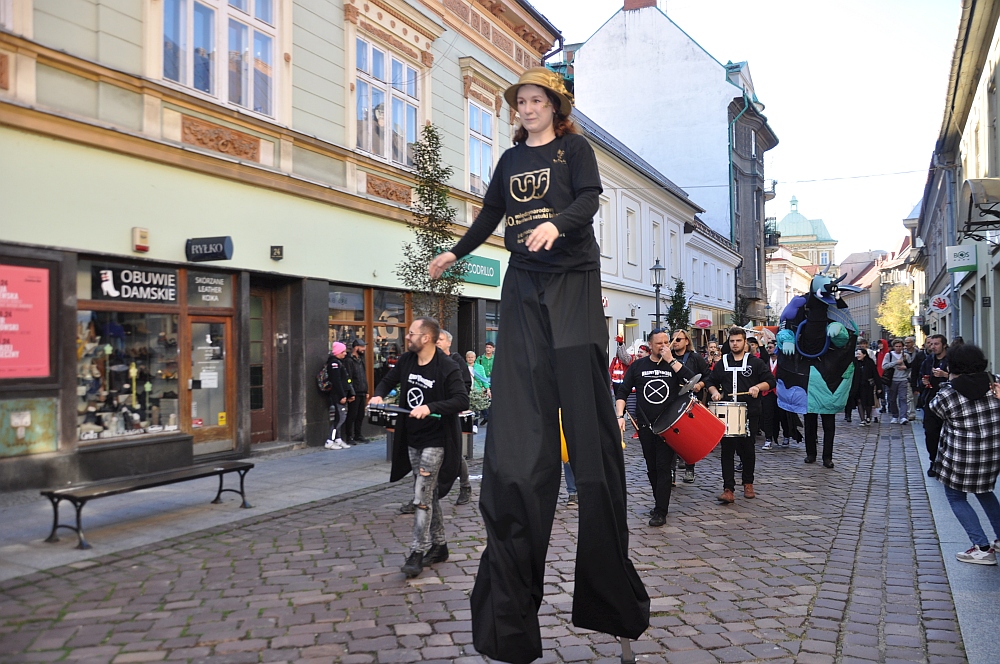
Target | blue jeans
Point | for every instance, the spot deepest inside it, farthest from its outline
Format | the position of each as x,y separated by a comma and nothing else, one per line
968,517
570,479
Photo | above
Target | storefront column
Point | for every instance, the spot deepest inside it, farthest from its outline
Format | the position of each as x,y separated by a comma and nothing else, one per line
312,344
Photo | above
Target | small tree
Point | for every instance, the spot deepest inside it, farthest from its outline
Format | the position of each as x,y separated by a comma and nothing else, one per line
895,311
679,314
433,218
741,311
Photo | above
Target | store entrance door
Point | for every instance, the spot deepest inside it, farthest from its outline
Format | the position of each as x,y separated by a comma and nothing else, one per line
262,397
211,416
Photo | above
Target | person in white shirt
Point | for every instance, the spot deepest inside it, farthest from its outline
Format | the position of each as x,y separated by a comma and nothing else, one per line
898,361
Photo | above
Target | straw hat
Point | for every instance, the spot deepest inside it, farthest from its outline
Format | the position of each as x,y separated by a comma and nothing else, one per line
545,78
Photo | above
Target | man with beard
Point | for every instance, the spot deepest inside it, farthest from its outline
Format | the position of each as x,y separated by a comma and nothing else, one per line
682,348
428,440
656,379
739,377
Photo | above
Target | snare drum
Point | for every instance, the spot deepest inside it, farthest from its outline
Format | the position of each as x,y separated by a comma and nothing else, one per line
690,429
733,414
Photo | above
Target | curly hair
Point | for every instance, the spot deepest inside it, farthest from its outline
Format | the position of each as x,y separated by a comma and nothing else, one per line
562,123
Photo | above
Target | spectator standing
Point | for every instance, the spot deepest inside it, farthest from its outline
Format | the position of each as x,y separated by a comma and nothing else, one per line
933,372
464,486
340,392
771,413
682,348
910,346
866,383
968,460
485,362
430,383
897,361
479,398
355,365
916,400
741,376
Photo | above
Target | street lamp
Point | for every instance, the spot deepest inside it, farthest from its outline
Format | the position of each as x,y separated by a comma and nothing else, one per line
657,272
767,313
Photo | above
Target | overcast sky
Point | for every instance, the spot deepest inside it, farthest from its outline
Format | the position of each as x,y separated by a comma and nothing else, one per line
852,88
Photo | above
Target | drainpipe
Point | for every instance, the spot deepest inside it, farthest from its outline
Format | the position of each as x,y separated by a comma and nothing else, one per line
554,51
732,189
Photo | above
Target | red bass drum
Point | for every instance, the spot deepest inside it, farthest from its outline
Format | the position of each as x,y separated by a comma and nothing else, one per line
690,429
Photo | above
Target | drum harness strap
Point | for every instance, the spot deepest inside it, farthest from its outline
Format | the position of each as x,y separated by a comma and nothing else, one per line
732,370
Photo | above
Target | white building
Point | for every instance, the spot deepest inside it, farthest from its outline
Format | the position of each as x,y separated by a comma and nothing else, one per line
693,118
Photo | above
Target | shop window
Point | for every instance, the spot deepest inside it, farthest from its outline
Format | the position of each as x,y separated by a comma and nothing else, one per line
492,321
347,304
127,374
389,332
222,48
480,148
387,99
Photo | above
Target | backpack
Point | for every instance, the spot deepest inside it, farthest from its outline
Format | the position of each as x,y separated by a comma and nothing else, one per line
887,375
323,380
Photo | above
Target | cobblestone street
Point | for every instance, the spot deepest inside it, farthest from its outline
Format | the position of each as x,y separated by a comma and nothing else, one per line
824,565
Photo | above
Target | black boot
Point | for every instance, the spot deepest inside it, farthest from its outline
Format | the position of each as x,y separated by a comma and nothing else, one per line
464,495
437,554
414,565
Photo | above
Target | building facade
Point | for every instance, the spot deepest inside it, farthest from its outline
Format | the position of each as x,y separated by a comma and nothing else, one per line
200,195
957,235
808,239
700,123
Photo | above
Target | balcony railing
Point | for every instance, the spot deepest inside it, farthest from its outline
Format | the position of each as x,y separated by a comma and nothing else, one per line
772,238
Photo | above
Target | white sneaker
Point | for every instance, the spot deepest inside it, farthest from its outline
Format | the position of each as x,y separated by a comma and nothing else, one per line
904,421
894,421
786,442
331,445
766,445
475,429
343,445
977,556
996,545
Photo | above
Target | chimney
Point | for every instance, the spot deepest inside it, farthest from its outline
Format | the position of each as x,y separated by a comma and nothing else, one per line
639,4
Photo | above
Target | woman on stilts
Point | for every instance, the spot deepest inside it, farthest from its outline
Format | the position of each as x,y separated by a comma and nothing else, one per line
552,355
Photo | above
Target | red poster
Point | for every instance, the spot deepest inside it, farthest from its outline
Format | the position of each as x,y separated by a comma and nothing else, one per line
24,322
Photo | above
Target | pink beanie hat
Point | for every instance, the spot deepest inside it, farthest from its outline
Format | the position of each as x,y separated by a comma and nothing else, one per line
338,348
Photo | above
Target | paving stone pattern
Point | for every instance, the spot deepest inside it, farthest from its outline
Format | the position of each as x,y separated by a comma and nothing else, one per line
837,565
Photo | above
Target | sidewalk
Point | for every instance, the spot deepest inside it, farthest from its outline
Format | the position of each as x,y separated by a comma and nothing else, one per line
838,565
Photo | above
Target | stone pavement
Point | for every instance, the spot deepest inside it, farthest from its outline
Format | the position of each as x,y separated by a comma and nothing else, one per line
824,565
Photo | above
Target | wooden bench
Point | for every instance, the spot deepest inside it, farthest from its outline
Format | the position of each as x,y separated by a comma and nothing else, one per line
80,494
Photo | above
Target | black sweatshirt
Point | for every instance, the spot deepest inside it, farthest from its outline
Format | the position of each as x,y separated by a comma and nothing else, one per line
340,386
656,385
752,372
557,182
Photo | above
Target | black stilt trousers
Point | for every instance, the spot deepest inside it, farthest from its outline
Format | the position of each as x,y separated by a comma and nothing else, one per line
552,354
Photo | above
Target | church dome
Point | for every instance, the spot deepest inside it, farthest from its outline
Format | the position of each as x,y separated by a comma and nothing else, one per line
795,224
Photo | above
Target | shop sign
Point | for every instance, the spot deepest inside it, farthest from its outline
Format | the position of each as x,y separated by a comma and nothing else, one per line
24,322
205,289
940,304
200,249
133,284
484,271
701,318
961,258
987,301
703,323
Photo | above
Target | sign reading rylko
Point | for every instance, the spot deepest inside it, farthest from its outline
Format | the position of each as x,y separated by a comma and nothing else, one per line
132,284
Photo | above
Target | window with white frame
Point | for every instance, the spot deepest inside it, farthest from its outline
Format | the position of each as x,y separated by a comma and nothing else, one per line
7,14
602,227
753,143
694,275
675,257
480,148
824,258
632,236
224,48
388,99
657,243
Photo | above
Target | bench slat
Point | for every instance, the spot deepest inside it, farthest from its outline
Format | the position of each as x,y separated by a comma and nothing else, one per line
119,485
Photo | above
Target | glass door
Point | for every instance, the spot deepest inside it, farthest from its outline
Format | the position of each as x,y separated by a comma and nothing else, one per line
210,384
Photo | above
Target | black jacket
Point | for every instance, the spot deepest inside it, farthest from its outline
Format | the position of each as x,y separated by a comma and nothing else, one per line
356,371
340,385
450,397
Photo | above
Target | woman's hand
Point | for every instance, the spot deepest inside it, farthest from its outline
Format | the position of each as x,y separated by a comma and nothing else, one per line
542,237
441,263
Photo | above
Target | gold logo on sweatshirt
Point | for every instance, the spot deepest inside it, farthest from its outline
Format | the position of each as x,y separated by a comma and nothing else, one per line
529,186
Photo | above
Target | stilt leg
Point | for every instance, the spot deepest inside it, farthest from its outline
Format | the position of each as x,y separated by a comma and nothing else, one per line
627,656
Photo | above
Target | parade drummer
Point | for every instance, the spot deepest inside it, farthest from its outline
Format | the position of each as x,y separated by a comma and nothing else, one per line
657,380
744,376
553,358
